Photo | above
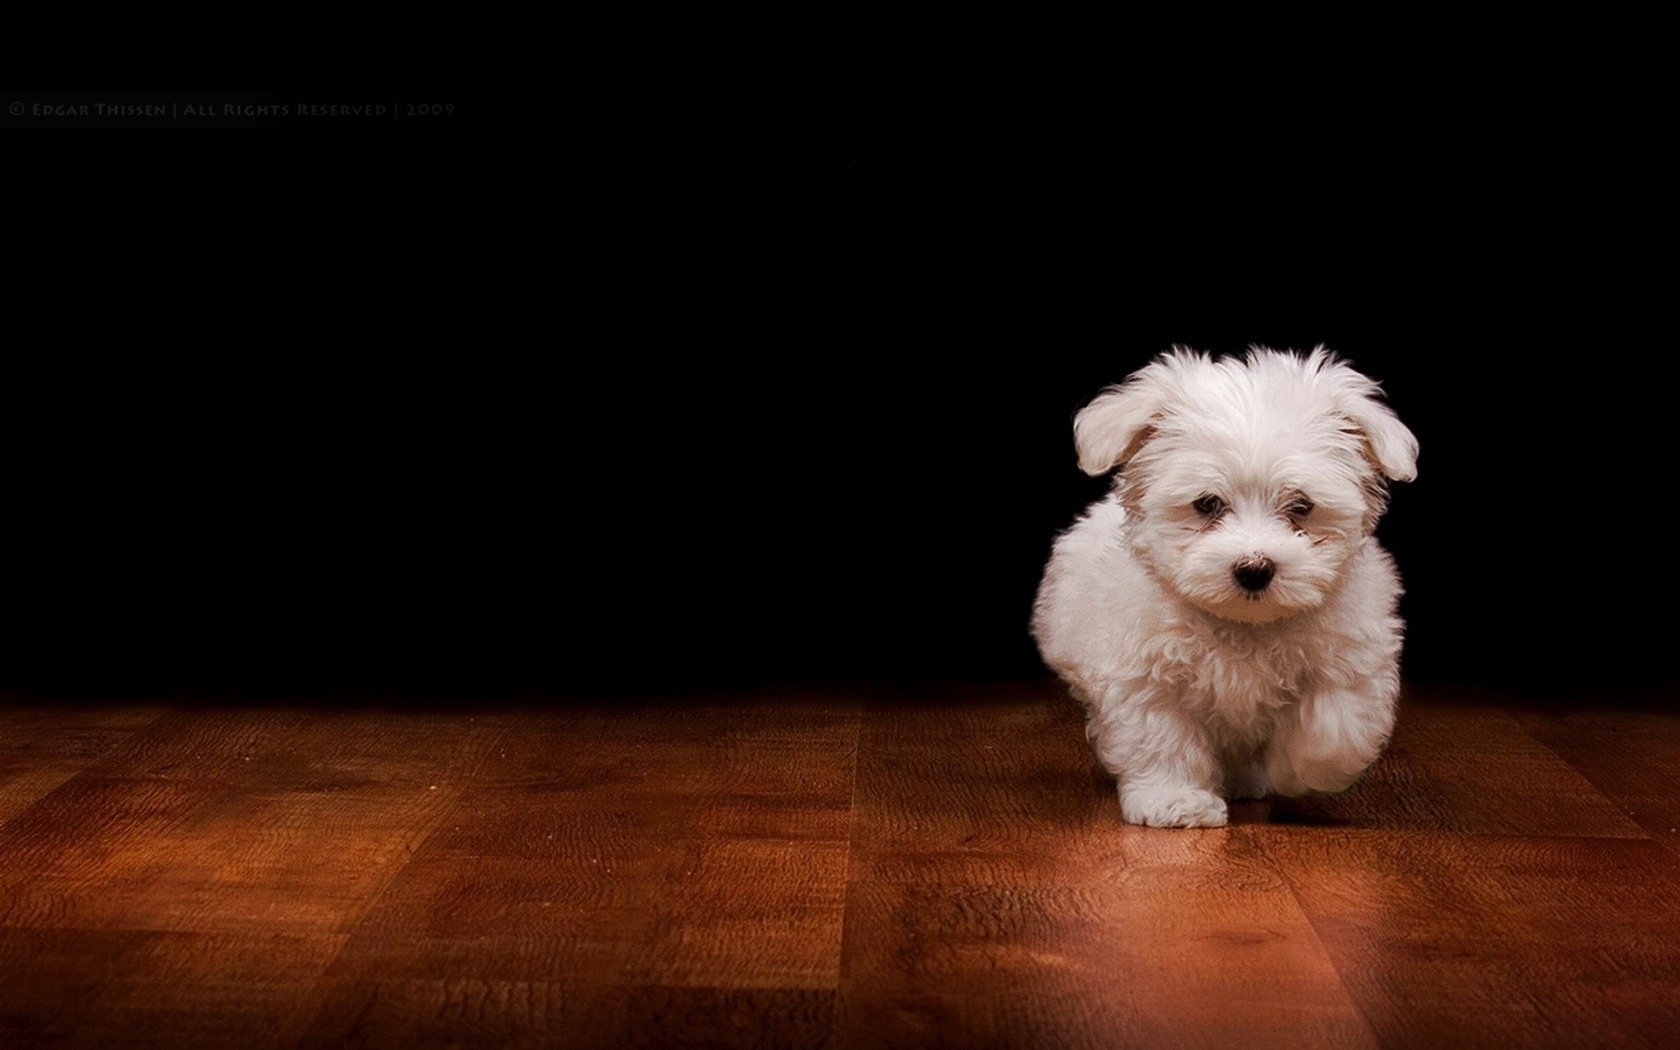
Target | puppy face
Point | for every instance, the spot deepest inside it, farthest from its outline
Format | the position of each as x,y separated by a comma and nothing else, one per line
1248,483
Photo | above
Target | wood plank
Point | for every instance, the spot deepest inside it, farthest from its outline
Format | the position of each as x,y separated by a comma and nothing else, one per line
996,898
44,745
1459,940
615,865
1632,757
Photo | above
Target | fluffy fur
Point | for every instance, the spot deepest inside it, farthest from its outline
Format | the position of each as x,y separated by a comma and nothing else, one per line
1198,688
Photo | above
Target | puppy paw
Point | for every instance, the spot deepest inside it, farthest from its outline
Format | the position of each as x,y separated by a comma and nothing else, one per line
1327,744
1167,808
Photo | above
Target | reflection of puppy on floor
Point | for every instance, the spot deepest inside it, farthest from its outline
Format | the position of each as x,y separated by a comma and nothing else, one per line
1225,615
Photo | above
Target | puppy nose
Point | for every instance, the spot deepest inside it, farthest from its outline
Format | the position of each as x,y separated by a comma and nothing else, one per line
1253,574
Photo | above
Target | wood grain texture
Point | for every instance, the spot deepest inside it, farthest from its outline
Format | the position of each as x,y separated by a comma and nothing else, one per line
215,821
614,865
150,988
43,746
942,867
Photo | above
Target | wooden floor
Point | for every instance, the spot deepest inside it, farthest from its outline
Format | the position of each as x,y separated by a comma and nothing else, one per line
941,868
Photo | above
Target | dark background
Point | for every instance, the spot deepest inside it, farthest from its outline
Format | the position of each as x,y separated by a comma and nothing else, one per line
791,401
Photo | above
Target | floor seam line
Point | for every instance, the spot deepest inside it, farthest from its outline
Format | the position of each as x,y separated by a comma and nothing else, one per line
1323,948
1645,833
846,872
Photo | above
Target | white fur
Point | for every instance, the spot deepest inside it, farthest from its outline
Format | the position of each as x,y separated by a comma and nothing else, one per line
1195,689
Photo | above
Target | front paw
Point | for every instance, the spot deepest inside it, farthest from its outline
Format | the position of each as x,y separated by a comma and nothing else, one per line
1173,808
1328,742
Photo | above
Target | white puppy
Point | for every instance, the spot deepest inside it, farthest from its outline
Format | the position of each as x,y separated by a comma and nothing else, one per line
1225,615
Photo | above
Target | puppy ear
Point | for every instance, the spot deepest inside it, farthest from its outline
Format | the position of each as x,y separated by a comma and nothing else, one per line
1109,431
1392,446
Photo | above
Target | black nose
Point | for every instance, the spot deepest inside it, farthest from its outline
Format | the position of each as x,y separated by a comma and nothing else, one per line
1253,574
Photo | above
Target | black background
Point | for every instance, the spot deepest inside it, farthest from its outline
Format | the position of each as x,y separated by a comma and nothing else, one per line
788,398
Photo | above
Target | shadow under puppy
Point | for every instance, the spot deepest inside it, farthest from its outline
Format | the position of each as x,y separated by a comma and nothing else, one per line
1225,615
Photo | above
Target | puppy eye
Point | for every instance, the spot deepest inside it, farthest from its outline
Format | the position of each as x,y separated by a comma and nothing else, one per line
1208,504
1300,507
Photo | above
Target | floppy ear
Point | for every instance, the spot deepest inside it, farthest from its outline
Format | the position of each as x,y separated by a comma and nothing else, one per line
1392,444
1109,431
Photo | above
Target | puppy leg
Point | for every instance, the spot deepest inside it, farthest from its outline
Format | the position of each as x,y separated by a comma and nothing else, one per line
1328,740
1167,775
